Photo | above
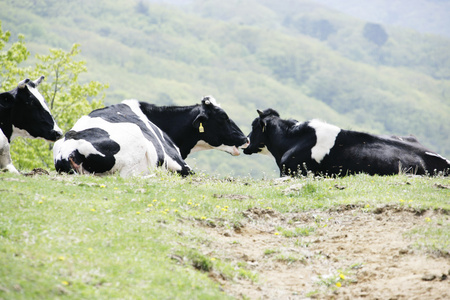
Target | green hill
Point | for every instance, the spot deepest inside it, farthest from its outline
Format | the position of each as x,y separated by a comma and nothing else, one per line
298,57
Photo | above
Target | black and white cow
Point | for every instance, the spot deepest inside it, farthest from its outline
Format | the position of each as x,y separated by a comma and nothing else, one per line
24,112
134,137
325,149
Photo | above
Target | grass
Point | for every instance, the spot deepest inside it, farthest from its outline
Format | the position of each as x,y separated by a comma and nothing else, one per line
82,237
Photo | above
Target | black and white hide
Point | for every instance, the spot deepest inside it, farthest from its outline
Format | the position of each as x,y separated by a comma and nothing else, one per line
134,137
24,112
325,149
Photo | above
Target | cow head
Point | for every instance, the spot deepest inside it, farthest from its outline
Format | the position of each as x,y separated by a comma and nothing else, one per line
216,130
258,134
31,116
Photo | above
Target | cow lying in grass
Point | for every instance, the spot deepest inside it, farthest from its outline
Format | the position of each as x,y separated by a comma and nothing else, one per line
134,137
325,149
24,112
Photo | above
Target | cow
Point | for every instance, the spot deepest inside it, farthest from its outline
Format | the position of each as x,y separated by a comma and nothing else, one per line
24,112
134,137
324,149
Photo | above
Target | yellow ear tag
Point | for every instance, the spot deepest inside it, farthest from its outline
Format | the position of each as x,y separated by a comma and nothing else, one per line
201,129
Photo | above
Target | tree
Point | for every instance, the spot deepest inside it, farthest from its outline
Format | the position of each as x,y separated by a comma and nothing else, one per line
68,99
10,59
375,33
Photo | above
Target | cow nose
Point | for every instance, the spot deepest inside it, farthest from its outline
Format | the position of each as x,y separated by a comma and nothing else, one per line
247,142
57,134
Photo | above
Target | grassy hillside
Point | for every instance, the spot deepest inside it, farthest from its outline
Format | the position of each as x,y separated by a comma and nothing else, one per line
83,237
298,57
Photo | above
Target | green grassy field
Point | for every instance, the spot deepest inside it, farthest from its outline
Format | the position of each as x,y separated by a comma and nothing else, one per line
85,237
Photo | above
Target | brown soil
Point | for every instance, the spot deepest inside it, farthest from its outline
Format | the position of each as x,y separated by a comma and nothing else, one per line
370,249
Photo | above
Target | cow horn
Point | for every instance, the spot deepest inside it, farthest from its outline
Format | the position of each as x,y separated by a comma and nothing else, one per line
260,113
39,80
208,100
23,83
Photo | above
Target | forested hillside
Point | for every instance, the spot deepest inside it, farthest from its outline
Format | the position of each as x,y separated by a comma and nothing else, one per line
298,57
430,16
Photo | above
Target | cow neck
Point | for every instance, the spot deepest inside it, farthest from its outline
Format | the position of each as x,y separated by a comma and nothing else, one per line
278,137
5,114
275,135
176,122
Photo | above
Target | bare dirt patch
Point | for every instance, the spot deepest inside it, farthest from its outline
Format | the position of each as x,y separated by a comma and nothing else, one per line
308,255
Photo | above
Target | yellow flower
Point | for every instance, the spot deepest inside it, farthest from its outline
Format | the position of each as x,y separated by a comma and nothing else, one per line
167,209
150,205
427,219
401,200
65,282
189,203
226,206
367,205
224,209
154,200
138,212
173,200
61,258
43,198
338,284
268,207
175,210
164,212
203,218
342,276
90,249
213,259
277,233
40,202
217,206
102,186
92,209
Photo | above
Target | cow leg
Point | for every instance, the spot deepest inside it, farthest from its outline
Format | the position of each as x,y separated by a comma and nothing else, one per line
5,155
76,167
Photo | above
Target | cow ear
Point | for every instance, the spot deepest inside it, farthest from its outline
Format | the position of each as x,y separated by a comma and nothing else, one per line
260,113
38,81
198,122
23,83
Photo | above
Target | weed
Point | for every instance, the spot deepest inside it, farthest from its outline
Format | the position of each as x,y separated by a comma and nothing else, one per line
299,231
268,252
289,259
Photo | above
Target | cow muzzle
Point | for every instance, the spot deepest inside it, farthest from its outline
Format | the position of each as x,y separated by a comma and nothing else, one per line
235,151
247,143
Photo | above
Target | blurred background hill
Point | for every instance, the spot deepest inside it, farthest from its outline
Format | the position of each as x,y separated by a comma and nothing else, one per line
379,66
